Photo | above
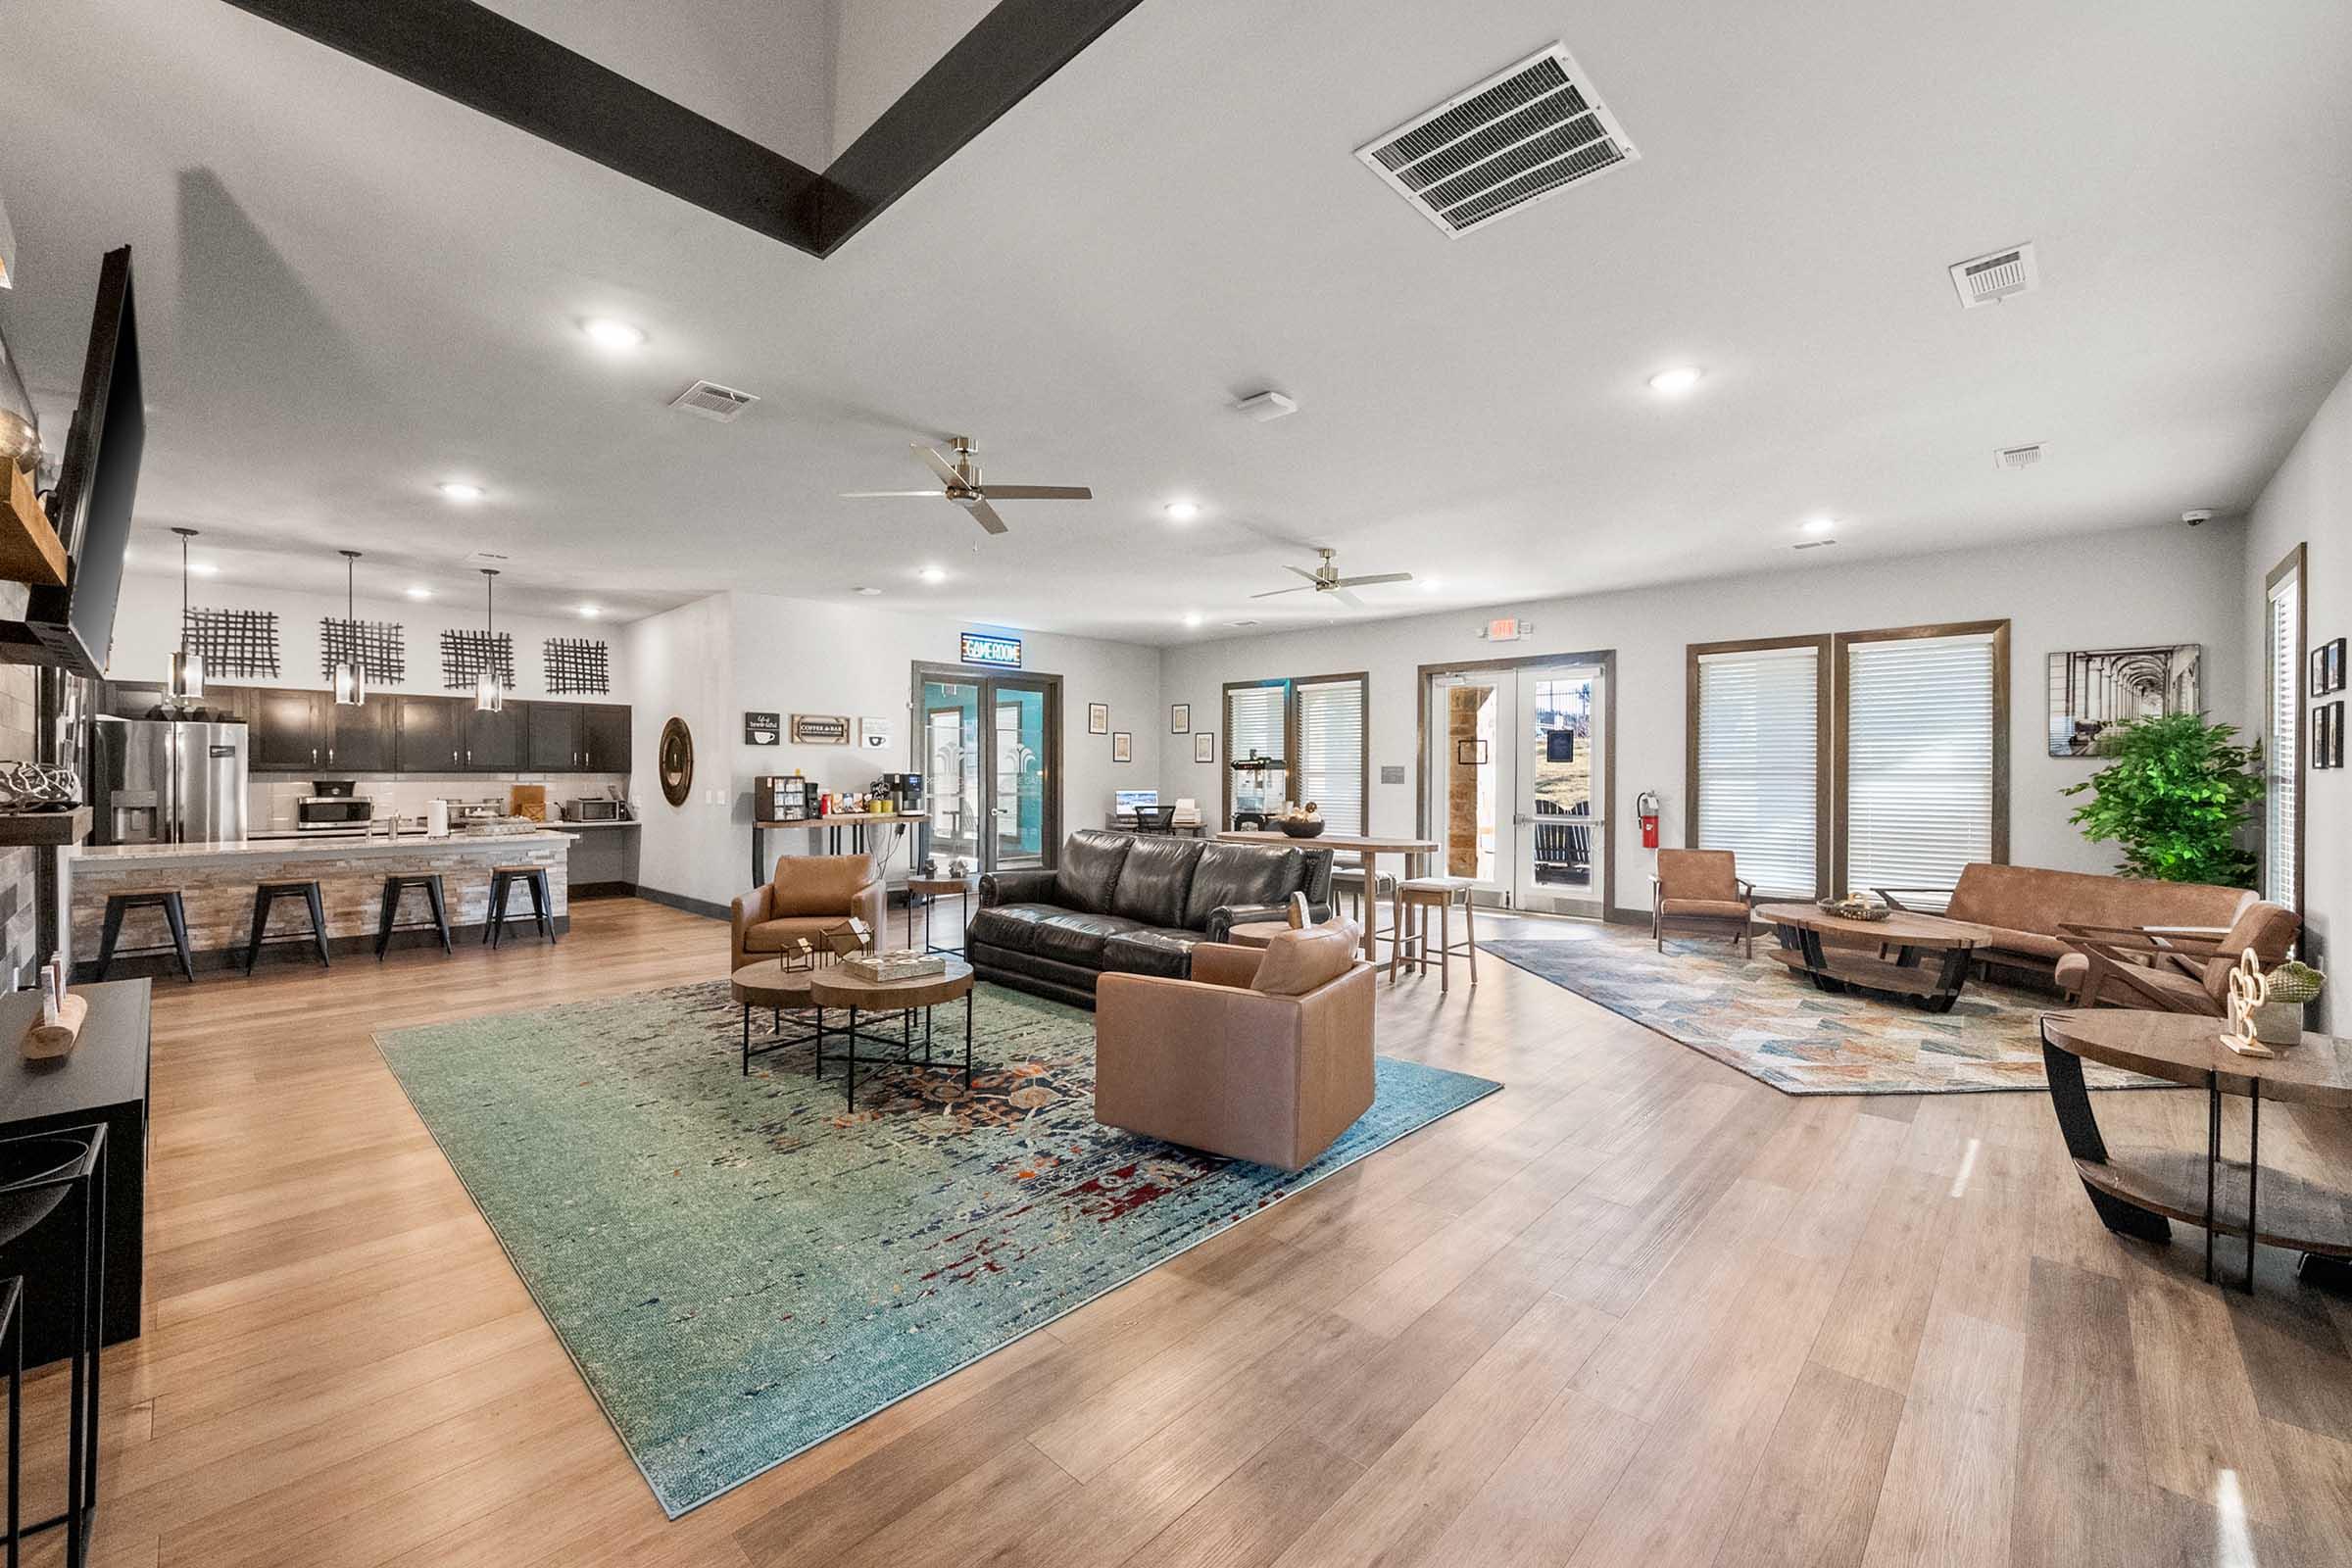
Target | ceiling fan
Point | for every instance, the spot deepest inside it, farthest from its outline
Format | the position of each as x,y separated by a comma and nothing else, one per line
961,479
1326,579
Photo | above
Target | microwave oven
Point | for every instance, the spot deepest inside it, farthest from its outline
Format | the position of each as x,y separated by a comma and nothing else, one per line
327,814
594,809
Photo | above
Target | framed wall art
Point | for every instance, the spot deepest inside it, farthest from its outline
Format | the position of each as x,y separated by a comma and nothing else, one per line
2094,690
1180,718
1122,747
1097,719
1204,747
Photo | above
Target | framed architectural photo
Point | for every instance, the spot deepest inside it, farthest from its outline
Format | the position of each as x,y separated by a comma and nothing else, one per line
2095,690
1180,718
1122,747
1097,719
2314,679
2335,665
2335,734
1204,747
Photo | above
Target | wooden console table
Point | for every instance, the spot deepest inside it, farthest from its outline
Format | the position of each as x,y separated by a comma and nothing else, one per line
2138,1191
1848,965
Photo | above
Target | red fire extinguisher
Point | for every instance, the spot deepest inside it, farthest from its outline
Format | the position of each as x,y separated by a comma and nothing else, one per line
1646,807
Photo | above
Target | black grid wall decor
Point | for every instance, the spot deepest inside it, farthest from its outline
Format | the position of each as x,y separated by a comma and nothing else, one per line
576,666
465,653
376,647
238,644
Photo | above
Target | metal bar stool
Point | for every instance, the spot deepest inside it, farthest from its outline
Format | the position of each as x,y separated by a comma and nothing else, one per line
176,917
394,887
1423,894
38,1173
268,893
534,877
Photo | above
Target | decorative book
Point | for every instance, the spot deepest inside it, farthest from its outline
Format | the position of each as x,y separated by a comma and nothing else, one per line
905,964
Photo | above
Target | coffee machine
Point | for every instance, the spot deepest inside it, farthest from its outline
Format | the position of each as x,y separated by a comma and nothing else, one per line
902,791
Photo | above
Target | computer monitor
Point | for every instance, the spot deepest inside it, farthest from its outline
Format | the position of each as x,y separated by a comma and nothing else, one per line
1128,800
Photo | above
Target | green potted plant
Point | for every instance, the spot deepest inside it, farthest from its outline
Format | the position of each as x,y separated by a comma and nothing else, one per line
2177,794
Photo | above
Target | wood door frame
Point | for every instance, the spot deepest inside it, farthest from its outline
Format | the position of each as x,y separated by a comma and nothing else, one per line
987,680
1290,734
2293,564
1998,633
1606,660
1824,645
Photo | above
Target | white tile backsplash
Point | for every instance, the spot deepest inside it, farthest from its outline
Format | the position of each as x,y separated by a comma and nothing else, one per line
269,801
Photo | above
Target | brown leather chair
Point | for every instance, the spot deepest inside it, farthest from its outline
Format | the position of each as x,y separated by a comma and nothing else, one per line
1702,892
810,895
2170,971
1209,1063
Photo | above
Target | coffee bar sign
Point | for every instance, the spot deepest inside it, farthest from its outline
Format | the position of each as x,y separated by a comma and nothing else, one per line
991,647
821,729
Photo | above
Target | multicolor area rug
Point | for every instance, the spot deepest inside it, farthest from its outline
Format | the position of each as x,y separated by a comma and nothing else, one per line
741,1269
1754,1014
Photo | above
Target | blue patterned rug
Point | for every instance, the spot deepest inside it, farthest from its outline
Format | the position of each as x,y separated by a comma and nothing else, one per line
1755,1015
741,1269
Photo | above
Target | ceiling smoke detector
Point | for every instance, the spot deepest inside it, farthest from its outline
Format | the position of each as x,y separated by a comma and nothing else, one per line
2024,457
1516,138
1994,276
713,401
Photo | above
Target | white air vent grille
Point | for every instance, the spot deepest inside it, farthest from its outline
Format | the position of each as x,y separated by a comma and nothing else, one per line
488,558
2024,457
713,401
1503,145
1813,544
1992,279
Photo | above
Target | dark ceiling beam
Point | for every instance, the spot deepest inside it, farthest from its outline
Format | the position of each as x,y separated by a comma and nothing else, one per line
1012,50
476,56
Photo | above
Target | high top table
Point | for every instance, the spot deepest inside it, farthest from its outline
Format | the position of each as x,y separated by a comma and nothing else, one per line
1371,847
2137,1191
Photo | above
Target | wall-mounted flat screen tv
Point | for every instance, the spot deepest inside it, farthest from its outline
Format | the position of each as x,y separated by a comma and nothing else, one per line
73,626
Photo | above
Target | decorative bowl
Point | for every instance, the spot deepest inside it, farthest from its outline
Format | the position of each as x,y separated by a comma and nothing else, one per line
1853,909
1301,827
37,787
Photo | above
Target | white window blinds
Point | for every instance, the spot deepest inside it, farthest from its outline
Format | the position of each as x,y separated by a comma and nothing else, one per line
1918,761
1253,726
1759,784
2282,740
1331,751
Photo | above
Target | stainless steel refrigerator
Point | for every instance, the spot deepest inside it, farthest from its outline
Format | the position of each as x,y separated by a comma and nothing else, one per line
160,781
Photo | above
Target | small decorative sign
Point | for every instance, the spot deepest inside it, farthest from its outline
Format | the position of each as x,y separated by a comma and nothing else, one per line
991,647
820,729
1392,772
763,729
876,734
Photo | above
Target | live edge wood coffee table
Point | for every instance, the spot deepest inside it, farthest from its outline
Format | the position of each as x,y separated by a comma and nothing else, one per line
836,986
1851,961
2136,1191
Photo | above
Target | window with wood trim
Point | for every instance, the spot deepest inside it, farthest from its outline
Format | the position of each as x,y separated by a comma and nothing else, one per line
1923,749
1759,773
2283,732
1314,728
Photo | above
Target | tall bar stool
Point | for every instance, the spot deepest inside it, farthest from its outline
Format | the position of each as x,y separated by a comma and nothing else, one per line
534,877
1442,893
176,917
268,893
394,887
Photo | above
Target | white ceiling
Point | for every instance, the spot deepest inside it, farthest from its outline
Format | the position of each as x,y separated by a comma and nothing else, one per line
351,290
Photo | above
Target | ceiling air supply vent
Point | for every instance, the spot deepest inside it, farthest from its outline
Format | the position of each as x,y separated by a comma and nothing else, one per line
713,401
1992,279
1503,145
2024,457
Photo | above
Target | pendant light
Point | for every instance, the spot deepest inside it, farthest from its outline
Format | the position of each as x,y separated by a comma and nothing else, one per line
187,669
351,676
489,696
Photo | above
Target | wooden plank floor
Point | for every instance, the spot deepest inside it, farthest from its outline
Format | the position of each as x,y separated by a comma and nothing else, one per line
1636,1309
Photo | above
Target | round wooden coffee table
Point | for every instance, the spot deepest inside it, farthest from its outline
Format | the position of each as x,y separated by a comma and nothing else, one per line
1846,964
768,984
836,986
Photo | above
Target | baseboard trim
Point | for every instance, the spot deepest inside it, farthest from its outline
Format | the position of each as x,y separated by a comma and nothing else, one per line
680,901
1637,917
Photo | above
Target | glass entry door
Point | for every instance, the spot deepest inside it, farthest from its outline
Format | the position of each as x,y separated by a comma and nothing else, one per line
985,745
1519,768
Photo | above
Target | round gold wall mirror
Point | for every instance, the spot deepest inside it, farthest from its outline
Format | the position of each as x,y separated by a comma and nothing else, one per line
676,759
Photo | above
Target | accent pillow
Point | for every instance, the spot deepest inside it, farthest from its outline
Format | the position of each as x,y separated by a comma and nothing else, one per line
1299,961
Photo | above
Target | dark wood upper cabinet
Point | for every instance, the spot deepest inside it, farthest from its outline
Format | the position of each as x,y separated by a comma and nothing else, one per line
494,742
288,729
360,740
428,735
603,738
555,737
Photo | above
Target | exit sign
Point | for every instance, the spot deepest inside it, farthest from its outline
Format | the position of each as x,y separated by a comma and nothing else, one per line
1507,630
986,648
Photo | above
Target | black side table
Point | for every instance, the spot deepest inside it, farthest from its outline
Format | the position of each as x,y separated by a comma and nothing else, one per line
932,887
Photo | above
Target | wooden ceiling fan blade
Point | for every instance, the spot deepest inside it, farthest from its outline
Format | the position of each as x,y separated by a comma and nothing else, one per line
869,495
985,516
1381,576
1039,492
936,464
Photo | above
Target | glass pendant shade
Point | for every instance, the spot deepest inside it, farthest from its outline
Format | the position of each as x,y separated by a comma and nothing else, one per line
351,685
489,696
187,676
350,680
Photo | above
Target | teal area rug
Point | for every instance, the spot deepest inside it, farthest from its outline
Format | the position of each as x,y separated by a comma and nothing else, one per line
741,1268
1755,1015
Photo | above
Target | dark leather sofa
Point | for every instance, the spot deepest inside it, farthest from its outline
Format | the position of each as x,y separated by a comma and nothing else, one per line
1130,904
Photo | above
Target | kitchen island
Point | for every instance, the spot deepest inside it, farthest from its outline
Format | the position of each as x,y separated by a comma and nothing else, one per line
217,881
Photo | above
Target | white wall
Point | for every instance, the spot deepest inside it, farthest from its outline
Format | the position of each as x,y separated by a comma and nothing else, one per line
2158,585
712,661
2308,502
147,632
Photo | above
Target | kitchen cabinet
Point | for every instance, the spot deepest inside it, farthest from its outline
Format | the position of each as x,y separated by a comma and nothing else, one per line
287,729
554,745
494,742
360,740
603,738
427,737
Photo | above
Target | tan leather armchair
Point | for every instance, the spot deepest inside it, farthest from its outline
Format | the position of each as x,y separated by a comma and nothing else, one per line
2171,971
810,895
1209,1063
1701,891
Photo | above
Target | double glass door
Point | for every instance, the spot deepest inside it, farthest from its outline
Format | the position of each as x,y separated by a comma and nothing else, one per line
985,745
1519,769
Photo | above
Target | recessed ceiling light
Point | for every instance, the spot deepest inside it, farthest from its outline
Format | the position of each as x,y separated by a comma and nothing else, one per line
607,333
421,592
1191,618
590,612
204,568
867,593
1677,380
460,490
1182,510
933,574
1428,585
1819,524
